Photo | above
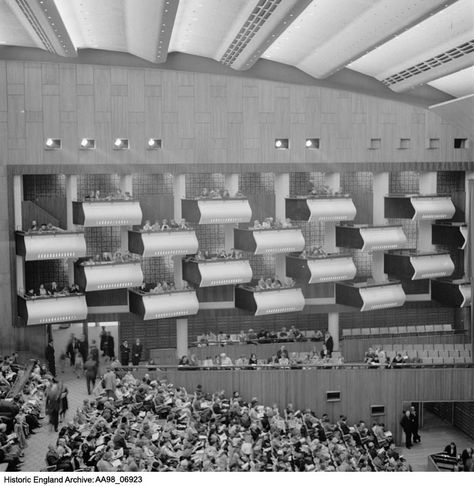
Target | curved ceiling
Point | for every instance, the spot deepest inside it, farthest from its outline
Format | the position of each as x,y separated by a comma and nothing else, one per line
402,44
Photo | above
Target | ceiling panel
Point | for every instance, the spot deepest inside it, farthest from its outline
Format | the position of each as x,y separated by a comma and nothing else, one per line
14,30
456,84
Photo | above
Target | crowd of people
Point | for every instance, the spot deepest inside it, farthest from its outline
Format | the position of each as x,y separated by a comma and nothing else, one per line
52,290
110,257
315,252
148,425
162,287
43,228
221,254
263,336
268,283
118,195
219,194
165,225
325,191
377,357
270,223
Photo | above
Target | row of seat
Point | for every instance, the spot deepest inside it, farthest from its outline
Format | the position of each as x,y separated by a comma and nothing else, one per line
425,347
375,331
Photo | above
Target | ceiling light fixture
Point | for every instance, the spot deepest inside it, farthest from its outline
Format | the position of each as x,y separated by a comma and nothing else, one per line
121,144
87,144
282,143
154,143
53,143
312,143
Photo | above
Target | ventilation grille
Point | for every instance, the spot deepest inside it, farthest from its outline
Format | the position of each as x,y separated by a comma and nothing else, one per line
260,14
439,60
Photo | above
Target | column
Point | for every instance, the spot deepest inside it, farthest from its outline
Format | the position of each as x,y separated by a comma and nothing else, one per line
333,328
333,181
17,204
181,337
71,195
380,190
427,186
232,185
469,176
179,193
126,185
282,191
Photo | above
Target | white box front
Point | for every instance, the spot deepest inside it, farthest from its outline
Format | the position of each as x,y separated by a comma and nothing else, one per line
174,304
432,266
337,209
169,243
50,246
382,297
107,277
229,272
224,211
116,213
278,241
331,269
383,238
279,301
432,208
56,309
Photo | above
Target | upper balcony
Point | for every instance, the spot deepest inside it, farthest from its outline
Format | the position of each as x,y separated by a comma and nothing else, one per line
162,243
320,208
52,309
216,211
149,305
368,296
370,238
413,265
50,245
452,292
314,269
268,241
216,271
269,301
419,208
453,235
108,275
106,213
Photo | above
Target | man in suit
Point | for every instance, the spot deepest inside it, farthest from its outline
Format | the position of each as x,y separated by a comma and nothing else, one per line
451,450
407,428
137,350
90,367
50,357
329,342
414,423
124,353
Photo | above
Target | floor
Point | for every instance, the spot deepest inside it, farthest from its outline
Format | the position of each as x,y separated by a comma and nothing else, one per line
435,434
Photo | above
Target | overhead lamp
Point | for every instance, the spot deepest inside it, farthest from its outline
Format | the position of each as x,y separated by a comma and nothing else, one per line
52,143
282,143
121,144
312,143
87,143
153,143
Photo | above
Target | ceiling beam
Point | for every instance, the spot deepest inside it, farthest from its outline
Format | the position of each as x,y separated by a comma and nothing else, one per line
268,20
42,20
168,16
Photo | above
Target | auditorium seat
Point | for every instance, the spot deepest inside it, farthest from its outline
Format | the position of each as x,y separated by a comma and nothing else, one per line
420,328
428,360
449,347
393,330
433,354
374,331
418,347
365,331
429,328
438,327
439,347
438,360
346,332
447,327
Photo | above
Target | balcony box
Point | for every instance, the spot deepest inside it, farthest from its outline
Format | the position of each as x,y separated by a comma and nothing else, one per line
106,213
368,296
320,269
108,275
216,211
370,238
321,208
48,310
216,272
453,293
271,301
160,306
410,265
162,243
50,245
453,235
418,208
268,241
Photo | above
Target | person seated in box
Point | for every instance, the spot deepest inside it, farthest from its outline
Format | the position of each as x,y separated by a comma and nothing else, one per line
225,194
174,224
147,226
51,227
43,228
33,226
204,192
156,225
30,294
214,194
287,223
257,224
165,225
262,284
42,291
183,224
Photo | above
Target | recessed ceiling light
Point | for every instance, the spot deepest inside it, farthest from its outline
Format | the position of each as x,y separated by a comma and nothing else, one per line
52,143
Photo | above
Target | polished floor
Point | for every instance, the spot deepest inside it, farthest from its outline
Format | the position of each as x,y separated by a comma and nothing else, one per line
435,434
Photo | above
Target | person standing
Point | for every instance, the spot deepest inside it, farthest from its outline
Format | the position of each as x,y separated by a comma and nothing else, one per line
407,428
110,384
53,404
103,339
70,350
83,348
415,424
110,348
94,353
124,353
50,357
137,350
329,342
90,367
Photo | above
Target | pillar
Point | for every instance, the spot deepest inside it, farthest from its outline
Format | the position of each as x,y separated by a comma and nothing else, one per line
380,190
179,193
282,191
427,186
232,185
126,185
181,337
333,328
71,195
333,181
18,218
469,176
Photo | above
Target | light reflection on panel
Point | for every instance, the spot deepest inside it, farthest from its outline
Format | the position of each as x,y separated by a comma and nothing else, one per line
225,273
466,292
463,230
382,297
278,241
169,243
224,211
174,304
116,213
54,246
431,266
331,269
279,301
60,309
382,238
106,277
337,209
432,208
